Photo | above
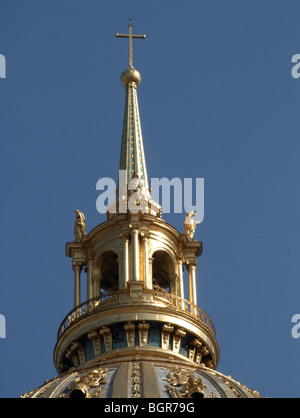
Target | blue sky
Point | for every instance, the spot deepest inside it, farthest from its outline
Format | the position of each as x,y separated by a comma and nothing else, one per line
217,101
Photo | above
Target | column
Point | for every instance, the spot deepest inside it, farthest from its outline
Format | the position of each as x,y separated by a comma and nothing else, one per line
125,279
77,271
150,272
135,255
89,279
192,283
180,275
146,262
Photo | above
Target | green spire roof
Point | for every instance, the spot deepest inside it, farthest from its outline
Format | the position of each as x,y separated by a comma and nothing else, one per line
132,158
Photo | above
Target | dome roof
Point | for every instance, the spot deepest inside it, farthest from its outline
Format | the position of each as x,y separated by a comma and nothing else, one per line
142,379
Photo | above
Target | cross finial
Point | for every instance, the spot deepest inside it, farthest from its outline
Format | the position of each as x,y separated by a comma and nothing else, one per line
130,36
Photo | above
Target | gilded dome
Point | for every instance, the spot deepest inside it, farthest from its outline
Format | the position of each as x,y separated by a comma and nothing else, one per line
142,379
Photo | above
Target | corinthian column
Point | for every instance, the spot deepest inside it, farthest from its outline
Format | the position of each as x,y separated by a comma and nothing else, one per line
77,271
192,283
89,278
135,255
146,262
123,284
180,275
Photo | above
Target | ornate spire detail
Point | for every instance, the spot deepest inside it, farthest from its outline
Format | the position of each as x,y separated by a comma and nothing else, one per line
132,156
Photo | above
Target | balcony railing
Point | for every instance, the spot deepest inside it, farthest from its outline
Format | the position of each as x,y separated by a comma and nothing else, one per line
124,297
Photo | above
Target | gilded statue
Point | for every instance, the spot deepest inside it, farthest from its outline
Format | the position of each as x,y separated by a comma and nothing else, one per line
190,225
79,226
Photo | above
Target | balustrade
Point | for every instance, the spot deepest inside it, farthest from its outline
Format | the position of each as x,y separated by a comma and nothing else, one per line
158,296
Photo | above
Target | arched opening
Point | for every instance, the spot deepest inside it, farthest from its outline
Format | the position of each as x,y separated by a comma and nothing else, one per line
197,395
109,270
163,272
77,394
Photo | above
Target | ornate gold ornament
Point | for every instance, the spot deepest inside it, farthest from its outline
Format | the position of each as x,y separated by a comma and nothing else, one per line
166,333
88,385
130,334
136,380
143,333
105,332
186,384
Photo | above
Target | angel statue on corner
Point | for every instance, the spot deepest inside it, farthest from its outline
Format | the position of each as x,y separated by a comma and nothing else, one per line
79,226
190,225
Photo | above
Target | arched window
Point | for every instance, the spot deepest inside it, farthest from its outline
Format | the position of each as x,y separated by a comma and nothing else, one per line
109,270
163,271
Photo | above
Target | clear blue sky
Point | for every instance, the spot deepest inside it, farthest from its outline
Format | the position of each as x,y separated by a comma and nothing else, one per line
217,101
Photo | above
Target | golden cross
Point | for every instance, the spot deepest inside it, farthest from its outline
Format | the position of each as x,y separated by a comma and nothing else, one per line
130,36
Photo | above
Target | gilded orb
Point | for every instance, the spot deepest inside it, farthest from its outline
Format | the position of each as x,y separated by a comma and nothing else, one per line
131,75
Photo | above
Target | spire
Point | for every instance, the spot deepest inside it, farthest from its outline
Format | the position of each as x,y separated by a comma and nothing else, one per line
132,158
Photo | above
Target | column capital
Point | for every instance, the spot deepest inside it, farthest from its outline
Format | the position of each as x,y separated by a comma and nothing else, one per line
191,265
77,265
125,235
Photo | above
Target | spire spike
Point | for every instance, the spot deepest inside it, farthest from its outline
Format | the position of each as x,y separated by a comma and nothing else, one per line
132,157
130,45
